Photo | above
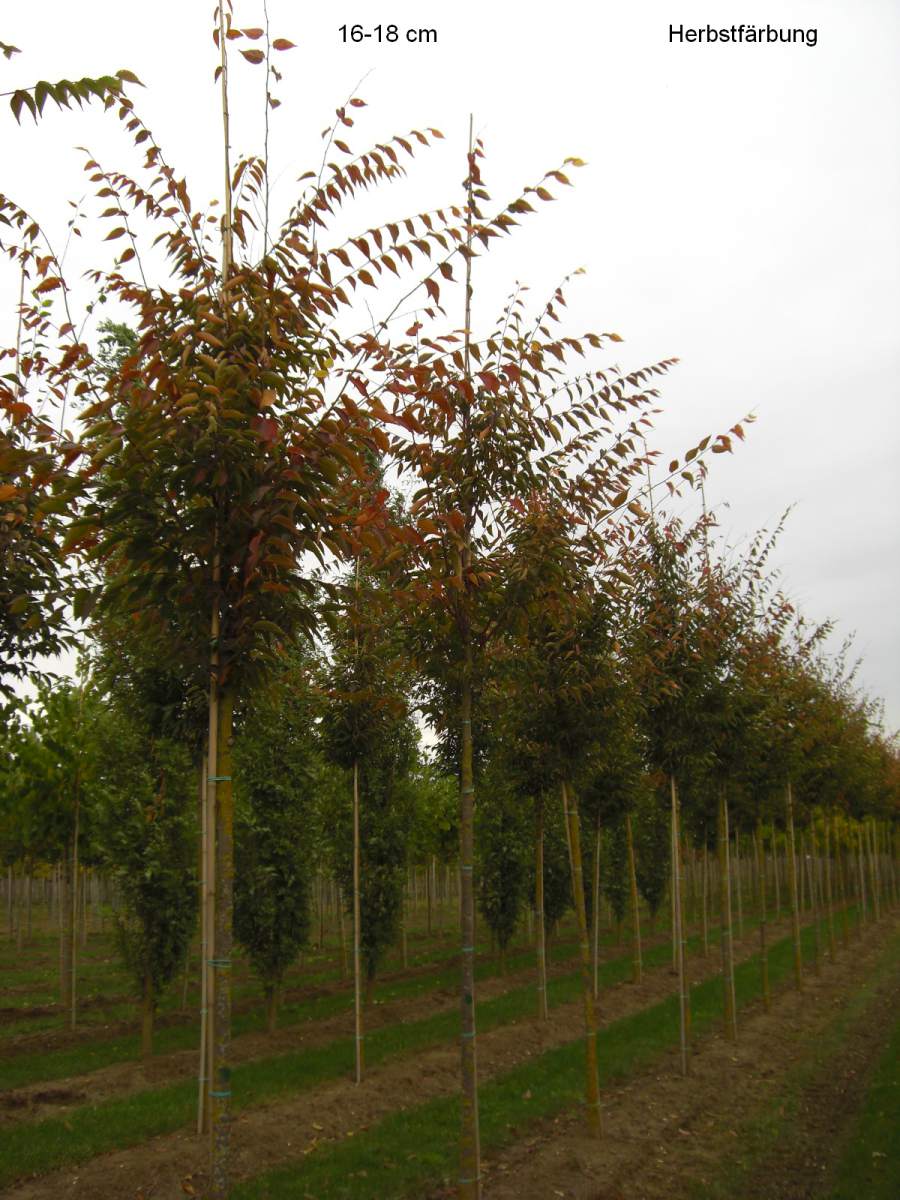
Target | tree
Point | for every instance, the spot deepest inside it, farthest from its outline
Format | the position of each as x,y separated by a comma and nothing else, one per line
147,837
275,758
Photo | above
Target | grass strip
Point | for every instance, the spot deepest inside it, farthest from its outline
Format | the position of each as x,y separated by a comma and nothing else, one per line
90,1130
95,1129
82,1059
870,1165
380,1164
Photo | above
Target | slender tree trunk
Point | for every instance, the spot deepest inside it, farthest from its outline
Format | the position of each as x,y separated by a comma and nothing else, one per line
683,928
679,917
592,1084
730,1006
29,880
271,1000
705,898
777,877
596,912
543,1008
861,872
873,869
637,965
763,947
470,1148
739,883
428,898
403,946
841,883
829,901
792,884
207,768
357,977
813,899
148,1005
73,914
220,1093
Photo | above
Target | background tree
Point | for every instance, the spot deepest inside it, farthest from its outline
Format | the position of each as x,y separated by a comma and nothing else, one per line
275,756
146,831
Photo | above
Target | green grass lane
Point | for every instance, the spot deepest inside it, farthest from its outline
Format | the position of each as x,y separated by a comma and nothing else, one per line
95,1129
381,1164
82,1059
870,1164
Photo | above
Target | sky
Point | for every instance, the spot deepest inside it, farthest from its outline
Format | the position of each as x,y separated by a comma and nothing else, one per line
738,210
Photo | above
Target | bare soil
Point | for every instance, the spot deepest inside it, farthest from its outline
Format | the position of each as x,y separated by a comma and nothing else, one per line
166,1167
664,1135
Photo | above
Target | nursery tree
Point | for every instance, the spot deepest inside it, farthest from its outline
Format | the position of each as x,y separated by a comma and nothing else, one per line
216,464
146,834
367,731
274,824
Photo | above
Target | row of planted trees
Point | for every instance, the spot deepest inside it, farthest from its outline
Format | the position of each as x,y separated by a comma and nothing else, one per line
457,522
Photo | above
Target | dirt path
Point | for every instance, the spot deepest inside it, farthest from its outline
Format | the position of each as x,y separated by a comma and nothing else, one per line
665,1135
267,1135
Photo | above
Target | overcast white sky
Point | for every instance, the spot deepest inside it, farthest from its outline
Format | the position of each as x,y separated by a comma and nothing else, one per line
739,211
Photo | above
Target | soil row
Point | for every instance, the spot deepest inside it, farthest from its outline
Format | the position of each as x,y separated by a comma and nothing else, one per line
269,1134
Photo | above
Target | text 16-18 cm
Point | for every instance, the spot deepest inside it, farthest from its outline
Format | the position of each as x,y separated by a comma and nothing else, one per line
387,33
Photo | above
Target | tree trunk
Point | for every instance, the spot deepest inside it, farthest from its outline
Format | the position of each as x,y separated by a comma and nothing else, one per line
739,883
637,965
357,977
813,899
72,916
829,901
207,768
763,948
873,868
470,1143
678,915
592,1084
705,909
730,1007
342,936
792,884
543,1009
148,1005
270,997
220,1093
428,898
841,885
596,911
